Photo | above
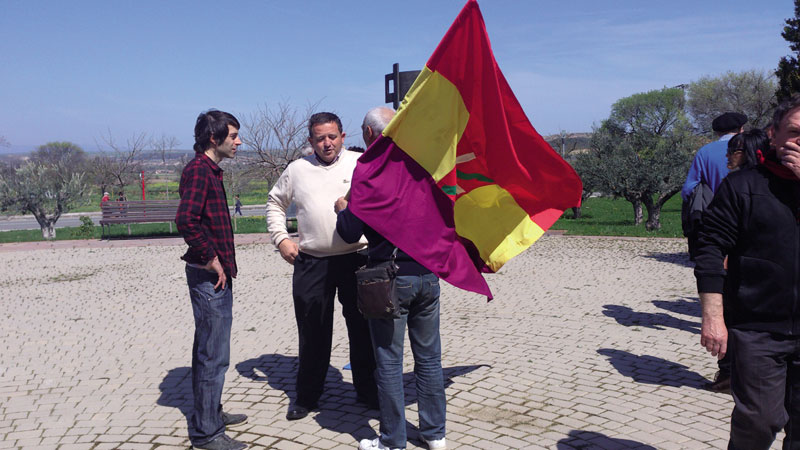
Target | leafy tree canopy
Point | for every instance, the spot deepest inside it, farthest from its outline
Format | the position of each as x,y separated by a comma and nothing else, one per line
750,92
788,72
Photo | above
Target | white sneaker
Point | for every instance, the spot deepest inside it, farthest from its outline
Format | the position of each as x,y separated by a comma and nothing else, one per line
374,444
436,444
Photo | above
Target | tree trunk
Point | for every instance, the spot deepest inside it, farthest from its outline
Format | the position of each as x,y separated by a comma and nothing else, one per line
653,213
637,211
47,224
49,231
654,209
576,212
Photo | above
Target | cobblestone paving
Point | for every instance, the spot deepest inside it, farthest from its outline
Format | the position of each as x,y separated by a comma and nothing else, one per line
589,343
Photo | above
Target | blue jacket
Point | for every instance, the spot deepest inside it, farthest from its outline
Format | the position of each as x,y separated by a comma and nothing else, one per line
710,166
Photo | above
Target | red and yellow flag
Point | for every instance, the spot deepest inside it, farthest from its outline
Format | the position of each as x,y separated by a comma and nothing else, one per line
460,179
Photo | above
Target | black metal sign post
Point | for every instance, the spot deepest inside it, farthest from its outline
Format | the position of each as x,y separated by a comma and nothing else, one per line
401,82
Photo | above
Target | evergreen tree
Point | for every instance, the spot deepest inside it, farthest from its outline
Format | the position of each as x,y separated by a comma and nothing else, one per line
788,72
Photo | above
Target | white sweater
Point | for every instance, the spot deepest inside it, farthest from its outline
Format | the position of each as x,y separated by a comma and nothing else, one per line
314,188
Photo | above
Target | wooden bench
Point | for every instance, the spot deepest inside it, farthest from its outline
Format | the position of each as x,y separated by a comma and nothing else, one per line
129,212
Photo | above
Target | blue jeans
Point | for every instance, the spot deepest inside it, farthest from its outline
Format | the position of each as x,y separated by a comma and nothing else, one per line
419,308
211,351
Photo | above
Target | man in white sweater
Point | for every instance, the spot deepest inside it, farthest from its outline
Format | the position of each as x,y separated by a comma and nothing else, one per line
323,263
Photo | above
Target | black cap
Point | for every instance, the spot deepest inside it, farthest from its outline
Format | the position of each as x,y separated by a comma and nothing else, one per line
728,121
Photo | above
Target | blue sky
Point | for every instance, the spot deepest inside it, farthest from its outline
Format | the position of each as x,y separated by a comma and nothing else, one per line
77,70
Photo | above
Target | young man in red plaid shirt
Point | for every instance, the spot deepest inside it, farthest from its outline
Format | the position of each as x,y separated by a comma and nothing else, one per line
204,220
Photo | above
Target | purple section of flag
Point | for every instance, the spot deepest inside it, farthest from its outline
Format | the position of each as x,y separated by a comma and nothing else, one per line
394,195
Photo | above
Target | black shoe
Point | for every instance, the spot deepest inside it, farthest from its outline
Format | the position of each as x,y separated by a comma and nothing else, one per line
721,383
231,420
222,442
297,412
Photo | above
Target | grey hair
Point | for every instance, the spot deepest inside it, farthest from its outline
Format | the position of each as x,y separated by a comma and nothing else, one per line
377,118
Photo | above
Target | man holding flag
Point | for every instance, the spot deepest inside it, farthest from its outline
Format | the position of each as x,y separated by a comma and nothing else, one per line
418,298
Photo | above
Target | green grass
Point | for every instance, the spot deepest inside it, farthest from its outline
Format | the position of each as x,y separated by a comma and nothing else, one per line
614,217
256,194
600,217
253,224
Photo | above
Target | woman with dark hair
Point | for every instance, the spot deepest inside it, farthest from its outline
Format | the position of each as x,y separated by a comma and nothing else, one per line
746,149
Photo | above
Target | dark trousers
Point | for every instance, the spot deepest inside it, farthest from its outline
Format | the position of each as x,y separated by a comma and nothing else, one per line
765,383
724,364
314,284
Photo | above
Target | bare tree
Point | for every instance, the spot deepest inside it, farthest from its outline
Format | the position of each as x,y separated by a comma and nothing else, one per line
99,173
122,164
164,144
238,174
277,135
4,142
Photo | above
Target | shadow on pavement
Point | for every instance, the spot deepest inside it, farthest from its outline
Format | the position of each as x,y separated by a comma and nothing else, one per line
689,306
629,318
651,370
338,409
176,391
591,440
680,258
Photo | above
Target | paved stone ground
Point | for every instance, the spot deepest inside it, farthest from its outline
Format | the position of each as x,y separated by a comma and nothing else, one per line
590,343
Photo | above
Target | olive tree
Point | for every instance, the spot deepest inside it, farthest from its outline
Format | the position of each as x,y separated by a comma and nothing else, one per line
641,152
47,186
751,92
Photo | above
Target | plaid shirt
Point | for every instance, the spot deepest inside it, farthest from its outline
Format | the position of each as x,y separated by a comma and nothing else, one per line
203,217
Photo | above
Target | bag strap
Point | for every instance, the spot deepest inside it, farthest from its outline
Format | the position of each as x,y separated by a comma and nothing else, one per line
394,256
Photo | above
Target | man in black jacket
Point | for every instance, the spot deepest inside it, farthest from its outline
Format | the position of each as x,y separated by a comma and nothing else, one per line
755,220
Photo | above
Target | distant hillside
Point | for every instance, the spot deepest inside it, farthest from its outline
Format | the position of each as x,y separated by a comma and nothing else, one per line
572,142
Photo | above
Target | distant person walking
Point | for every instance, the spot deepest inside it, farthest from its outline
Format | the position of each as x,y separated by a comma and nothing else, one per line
238,206
204,221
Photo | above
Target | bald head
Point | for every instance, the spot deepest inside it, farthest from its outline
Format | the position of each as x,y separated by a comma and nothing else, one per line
374,123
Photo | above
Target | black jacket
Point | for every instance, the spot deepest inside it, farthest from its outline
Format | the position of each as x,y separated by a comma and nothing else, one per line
350,228
754,220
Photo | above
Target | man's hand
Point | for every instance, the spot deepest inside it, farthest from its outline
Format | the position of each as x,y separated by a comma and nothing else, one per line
789,155
288,250
713,332
340,205
215,266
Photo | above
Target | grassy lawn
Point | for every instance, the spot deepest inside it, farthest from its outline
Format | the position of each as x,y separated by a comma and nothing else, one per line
254,224
600,217
610,217
256,195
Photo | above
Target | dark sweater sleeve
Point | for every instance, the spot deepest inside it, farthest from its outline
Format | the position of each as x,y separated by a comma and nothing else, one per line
718,236
349,227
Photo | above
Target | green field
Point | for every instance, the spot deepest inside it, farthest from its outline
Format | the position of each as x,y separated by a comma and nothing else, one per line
254,224
256,194
600,217
610,217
